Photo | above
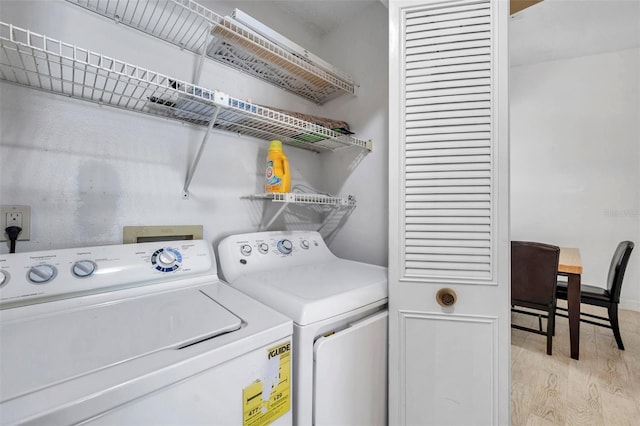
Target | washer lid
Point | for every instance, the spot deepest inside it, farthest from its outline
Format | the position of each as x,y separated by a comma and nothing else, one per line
314,292
39,351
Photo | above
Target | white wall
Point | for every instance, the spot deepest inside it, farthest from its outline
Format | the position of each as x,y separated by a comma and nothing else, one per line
364,236
359,48
575,159
87,171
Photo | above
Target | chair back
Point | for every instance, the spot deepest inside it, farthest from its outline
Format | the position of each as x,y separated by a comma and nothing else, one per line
534,273
617,269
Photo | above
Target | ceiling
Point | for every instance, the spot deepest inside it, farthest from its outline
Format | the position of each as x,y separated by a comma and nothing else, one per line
552,29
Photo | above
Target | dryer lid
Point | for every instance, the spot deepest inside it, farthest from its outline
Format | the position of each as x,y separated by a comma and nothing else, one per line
314,292
38,351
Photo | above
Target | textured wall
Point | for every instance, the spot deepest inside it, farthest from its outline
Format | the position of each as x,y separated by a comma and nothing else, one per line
575,150
88,170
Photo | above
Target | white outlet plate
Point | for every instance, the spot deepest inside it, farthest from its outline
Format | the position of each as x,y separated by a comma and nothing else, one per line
26,221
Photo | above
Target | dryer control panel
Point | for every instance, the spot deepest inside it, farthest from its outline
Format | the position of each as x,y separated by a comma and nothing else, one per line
262,251
34,277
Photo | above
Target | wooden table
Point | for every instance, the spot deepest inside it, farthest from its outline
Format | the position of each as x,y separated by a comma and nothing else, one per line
570,265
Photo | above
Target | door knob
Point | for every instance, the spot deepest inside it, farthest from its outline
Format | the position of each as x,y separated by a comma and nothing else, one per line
446,297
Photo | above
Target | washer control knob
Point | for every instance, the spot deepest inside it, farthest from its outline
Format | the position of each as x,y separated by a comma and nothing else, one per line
304,244
83,268
4,278
285,246
41,274
263,248
245,249
166,259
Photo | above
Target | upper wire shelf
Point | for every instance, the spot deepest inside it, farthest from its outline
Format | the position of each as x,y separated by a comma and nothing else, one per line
193,27
40,62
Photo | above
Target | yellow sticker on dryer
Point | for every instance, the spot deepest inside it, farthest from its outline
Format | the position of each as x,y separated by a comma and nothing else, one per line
269,397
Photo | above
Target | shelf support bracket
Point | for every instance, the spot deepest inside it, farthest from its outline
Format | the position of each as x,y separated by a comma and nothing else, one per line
196,160
275,216
198,73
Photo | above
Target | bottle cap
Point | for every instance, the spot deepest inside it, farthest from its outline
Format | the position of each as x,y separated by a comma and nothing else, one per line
275,144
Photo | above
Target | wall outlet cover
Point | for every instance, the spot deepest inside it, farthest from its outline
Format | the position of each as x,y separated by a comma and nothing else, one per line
22,213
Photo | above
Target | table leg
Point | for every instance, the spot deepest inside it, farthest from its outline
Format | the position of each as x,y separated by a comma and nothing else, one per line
573,302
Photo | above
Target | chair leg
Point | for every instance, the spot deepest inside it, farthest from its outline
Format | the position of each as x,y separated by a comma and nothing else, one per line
540,322
551,326
615,326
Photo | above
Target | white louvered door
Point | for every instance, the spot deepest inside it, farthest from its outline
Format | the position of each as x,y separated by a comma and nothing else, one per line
449,213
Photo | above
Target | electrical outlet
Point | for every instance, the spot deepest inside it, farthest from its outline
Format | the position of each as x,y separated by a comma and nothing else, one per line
15,216
14,219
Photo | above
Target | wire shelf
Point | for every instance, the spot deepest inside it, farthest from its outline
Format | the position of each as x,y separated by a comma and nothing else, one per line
193,27
40,62
302,198
321,203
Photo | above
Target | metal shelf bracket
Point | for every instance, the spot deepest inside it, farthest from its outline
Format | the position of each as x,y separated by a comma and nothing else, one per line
196,160
275,216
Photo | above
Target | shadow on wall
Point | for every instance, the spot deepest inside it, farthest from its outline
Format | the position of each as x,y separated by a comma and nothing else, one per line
98,192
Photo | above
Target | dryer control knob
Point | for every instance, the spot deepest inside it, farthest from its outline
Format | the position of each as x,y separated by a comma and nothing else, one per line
83,268
263,248
4,278
246,249
41,274
285,246
304,244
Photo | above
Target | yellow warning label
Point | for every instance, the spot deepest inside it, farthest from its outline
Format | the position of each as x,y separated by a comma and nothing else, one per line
269,397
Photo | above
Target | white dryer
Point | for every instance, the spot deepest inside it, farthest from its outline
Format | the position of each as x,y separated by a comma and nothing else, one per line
137,334
339,310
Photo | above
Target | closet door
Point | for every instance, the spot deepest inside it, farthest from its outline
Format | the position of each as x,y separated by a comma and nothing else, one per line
449,316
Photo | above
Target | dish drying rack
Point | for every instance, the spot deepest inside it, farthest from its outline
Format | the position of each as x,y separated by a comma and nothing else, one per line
40,62
193,27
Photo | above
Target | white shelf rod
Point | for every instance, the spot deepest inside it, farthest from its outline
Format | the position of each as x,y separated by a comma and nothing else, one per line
202,55
196,160
275,216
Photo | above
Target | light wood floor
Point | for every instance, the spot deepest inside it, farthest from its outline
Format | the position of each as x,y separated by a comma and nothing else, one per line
602,388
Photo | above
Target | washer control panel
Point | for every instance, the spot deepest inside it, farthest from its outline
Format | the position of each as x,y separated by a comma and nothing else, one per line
259,251
27,278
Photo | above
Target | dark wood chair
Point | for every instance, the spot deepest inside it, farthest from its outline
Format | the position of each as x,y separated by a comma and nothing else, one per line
534,276
605,297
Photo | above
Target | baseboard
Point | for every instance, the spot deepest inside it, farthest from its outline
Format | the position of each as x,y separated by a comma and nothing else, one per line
632,305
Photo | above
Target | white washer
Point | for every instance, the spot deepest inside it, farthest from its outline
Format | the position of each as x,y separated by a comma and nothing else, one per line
137,334
339,312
